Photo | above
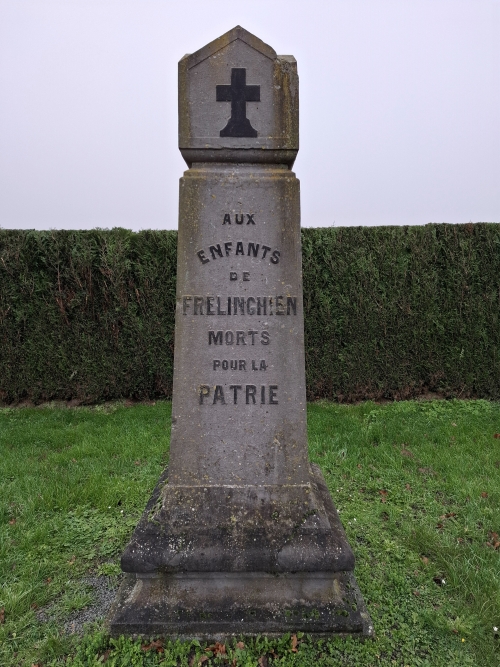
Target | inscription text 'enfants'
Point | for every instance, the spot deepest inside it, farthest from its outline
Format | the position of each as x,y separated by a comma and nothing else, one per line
258,250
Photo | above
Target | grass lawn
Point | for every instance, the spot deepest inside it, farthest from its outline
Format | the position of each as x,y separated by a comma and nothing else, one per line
418,489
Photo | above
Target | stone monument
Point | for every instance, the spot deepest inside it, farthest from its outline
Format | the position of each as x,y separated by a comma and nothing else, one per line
241,535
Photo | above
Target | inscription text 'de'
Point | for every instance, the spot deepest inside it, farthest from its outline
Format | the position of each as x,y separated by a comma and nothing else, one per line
238,93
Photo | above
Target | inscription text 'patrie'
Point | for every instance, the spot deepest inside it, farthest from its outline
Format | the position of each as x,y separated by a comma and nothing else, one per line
250,394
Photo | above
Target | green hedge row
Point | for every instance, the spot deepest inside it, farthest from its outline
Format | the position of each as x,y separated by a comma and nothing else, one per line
390,312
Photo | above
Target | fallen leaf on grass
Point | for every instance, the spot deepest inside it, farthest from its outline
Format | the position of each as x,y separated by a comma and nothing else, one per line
72,561
383,494
494,542
426,471
417,593
295,641
203,659
2,615
425,560
406,452
12,522
449,515
497,435
262,662
439,526
407,487
484,494
48,580
240,645
158,645
105,655
217,648
137,463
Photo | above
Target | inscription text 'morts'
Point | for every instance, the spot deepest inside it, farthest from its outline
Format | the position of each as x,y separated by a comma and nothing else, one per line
239,305
238,337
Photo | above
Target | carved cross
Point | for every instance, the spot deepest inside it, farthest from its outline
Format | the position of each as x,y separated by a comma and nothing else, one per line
238,93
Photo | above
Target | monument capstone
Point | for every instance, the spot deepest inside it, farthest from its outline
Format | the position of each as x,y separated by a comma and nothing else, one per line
240,535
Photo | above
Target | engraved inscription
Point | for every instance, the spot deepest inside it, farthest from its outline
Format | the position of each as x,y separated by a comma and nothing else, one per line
239,219
249,249
238,337
239,305
238,365
238,394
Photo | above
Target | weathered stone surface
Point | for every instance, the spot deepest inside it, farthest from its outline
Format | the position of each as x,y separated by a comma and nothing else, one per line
275,117
242,537
239,303
220,605
239,529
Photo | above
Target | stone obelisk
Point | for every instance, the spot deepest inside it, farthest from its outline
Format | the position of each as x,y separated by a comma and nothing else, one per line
241,535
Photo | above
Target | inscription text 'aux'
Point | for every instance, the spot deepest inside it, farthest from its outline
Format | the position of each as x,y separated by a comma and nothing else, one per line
238,394
239,218
239,305
258,250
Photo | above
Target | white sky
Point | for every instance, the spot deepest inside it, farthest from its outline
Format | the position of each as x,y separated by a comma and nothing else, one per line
399,115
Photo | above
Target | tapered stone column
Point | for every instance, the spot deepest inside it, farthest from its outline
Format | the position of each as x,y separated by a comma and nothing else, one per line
241,535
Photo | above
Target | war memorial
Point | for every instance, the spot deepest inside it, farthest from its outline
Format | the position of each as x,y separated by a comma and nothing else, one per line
241,535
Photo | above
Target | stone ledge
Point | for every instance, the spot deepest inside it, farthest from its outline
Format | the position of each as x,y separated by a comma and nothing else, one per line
219,606
275,528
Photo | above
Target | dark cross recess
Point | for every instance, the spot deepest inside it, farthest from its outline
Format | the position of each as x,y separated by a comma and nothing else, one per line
238,93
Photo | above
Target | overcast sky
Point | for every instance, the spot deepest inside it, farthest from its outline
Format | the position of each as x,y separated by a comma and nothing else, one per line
399,107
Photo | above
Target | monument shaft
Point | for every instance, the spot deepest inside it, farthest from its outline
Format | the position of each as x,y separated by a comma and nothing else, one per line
239,406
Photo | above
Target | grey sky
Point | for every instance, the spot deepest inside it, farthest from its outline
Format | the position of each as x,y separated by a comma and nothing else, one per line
400,107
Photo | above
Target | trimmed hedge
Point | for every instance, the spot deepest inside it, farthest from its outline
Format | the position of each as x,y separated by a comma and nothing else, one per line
390,312
395,312
86,315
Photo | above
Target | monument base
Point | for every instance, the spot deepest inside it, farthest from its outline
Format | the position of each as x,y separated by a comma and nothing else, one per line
216,606
266,528
178,595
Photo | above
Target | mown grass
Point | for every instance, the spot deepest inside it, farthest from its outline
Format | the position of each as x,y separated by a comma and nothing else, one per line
417,485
